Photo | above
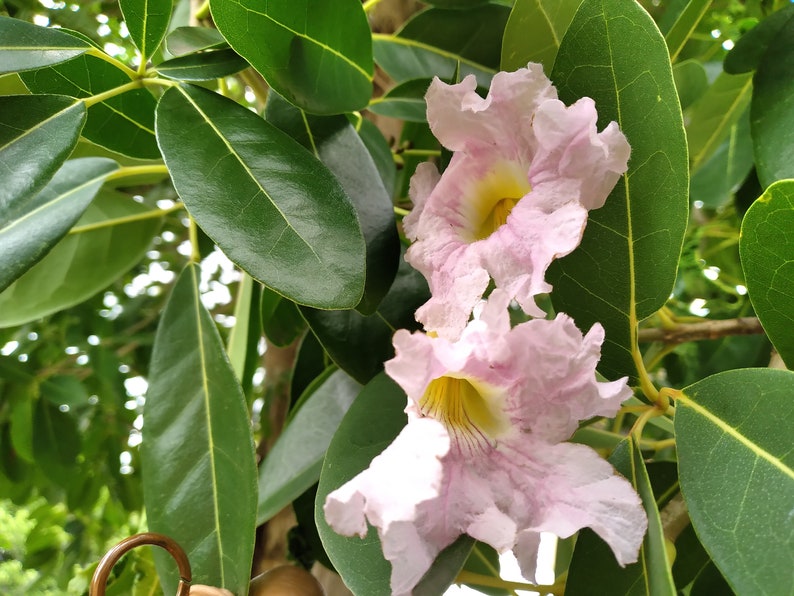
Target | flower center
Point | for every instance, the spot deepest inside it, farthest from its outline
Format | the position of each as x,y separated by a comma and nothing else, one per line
496,218
470,411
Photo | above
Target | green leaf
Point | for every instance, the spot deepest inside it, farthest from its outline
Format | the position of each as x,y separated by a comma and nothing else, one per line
187,40
317,53
56,440
361,437
147,22
534,31
733,435
197,455
203,66
593,567
73,272
34,227
684,25
460,4
771,114
37,134
293,464
281,320
747,53
766,247
124,123
270,205
626,264
25,46
406,101
691,81
711,117
380,151
337,145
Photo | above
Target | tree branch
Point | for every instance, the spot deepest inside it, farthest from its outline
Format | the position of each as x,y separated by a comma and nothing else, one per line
684,332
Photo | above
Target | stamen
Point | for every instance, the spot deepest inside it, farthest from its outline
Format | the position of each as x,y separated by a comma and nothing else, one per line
496,218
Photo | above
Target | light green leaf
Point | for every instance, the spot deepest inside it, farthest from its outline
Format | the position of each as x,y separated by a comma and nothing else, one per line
147,22
203,66
293,464
25,46
772,109
37,134
691,81
270,205
406,101
534,31
733,435
83,263
626,264
237,344
188,40
32,228
197,455
748,51
318,53
710,119
124,123
766,247
683,26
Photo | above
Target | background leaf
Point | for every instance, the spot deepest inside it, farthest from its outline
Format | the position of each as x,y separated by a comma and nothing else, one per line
766,246
187,40
197,455
748,51
82,263
317,53
147,22
733,434
203,66
25,46
626,264
534,31
294,228
33,227
684,25
405,101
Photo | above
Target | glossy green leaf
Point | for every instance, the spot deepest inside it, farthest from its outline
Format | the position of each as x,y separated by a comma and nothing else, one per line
747,53
766,246
203,66
124,123
406,101
733,435
197,455
335,143
271,206
32,228
380,151
24,46
360,344
710,119
237,346
691,81
684,25
83,263
281,320
771,114
361,437
37,134
147,22
293,464
534,31
187,40
317,53
593,568
626,264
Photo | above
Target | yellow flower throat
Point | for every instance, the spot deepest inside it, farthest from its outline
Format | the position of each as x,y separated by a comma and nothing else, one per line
489,202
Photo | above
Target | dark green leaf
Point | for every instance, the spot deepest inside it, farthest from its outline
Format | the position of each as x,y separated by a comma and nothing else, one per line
771,113
766,246
83,263
626,265
334,142
37,134
281,320
484,560
147,23
747,53
203,66
25,46
361,437
683,26
733,434
691,81
187,40
293,464
380,151
64,390
124,123
197,455
34,227
56,441
270,205
406,101
317,53
534,31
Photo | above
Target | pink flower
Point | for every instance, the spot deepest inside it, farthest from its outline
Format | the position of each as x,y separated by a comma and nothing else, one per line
482,453
515,195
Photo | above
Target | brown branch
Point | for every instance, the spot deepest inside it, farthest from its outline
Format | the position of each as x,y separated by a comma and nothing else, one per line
699,331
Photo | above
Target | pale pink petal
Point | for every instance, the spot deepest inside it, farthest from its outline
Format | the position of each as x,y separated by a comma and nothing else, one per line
423,182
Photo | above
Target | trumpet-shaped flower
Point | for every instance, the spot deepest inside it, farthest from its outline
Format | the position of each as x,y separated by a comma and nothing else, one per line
515,196
482,453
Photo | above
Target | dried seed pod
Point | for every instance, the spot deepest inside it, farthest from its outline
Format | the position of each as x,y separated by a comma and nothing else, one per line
286,580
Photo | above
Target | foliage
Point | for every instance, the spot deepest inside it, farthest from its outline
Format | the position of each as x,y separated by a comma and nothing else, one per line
135,147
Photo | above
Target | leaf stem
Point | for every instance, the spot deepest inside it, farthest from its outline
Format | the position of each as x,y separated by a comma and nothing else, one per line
418,152
105,95
117,221
400,211
370,4
468,577
195,252
97,53
684,332
128,171
203,11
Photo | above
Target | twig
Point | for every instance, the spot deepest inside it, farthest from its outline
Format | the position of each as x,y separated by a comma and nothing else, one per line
684,332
